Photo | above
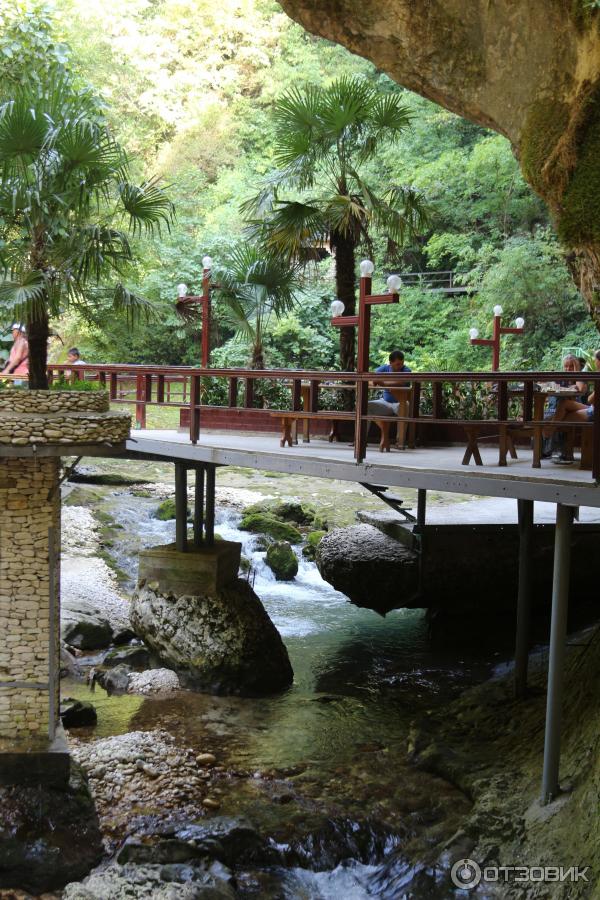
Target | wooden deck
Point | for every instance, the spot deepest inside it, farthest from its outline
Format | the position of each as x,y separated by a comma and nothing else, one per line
432,468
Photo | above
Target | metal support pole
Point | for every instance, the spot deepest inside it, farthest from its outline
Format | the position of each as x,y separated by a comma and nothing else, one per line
558,636
199,508
421,505
210,505
180,507
524,601
53,668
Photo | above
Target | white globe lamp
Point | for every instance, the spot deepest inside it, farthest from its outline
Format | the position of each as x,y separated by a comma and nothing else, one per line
366,268
337,309
394,284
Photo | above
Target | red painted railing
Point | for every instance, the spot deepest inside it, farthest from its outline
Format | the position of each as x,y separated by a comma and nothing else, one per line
177,386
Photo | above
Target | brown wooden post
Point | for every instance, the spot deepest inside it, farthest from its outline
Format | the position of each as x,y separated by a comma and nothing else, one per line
415,406
296,394
181,507
249,393
209,523
199,507
233,392
195,409
140,401
438,400
313,400
362,424
503,400
596,434
160,388
527,400
113,385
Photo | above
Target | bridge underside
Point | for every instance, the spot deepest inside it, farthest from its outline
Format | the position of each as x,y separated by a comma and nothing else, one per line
430,468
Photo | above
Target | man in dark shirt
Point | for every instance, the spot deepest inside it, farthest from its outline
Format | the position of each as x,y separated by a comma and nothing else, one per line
388,405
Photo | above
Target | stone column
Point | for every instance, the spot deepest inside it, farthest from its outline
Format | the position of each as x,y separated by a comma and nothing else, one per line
29,604
36,429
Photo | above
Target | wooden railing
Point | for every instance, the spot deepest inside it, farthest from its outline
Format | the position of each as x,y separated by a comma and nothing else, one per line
179,387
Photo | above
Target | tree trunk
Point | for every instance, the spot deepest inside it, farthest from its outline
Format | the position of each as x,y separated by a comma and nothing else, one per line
37,336
258,357
345,284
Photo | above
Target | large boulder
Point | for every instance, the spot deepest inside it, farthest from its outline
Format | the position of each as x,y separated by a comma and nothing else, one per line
372,569
83,625
282,561
48,836
224,642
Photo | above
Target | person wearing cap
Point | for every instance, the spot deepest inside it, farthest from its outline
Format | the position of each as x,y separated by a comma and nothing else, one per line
18,360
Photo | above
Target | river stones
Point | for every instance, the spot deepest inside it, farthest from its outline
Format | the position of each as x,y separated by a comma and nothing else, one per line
223,643
267,524
282,561
372,569
48,836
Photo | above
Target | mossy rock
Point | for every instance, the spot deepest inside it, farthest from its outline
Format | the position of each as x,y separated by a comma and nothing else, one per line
282,561
245,564
166,511
302,514
312,542
263,523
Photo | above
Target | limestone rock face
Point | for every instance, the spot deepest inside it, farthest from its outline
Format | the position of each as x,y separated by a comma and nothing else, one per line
224,643
530,71
83,625
372,569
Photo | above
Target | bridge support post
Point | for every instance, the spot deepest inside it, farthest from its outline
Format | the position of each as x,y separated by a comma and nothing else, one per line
199,507
524,601
181,507
421,506
558,636
210,505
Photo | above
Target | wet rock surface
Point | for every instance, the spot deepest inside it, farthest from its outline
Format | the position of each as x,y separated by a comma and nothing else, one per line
224,643
372,569
48,836
77,713
282,561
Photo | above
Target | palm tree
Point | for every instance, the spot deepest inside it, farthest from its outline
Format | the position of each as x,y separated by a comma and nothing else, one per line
325,136
253,284
67,209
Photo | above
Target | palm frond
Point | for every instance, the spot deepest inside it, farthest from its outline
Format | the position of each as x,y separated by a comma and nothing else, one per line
131,305
23,298
147,206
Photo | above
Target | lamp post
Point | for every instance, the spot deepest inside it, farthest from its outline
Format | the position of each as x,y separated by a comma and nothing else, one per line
362,321
203,299
497,332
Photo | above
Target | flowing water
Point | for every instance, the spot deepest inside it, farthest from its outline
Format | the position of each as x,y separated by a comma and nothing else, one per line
325,765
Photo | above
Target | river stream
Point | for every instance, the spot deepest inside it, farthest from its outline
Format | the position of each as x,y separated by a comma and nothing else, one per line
323,768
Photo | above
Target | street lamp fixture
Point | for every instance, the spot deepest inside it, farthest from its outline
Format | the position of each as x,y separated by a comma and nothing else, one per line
182,290
187,300
366,268
498,331
337,308
394,283
207,263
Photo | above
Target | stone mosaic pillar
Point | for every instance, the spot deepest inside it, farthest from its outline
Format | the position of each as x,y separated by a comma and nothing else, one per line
29,606
37,428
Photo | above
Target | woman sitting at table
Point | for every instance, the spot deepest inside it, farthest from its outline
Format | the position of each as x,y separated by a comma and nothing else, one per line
555,442
574,410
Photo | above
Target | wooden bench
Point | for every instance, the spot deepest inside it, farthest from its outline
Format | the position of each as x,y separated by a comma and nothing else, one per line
289,421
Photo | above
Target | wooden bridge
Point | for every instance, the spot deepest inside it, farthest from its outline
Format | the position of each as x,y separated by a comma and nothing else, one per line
421,468
444,281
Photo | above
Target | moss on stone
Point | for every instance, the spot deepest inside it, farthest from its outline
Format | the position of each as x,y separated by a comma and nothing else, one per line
312,542
546,124
264,523
282,561
579,222
166,510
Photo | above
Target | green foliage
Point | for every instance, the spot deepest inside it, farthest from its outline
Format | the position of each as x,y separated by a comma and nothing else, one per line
62,384
191,89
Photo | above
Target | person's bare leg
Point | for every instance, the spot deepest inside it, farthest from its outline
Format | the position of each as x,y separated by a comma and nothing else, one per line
564,409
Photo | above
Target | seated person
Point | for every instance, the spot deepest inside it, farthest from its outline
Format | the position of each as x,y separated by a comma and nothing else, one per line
555,443
574,410
74,359
388,405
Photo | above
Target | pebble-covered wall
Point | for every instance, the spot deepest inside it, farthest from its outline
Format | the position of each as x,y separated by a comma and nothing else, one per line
29,545
60,417
30,548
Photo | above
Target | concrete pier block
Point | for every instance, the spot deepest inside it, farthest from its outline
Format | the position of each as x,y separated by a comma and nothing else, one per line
200,570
